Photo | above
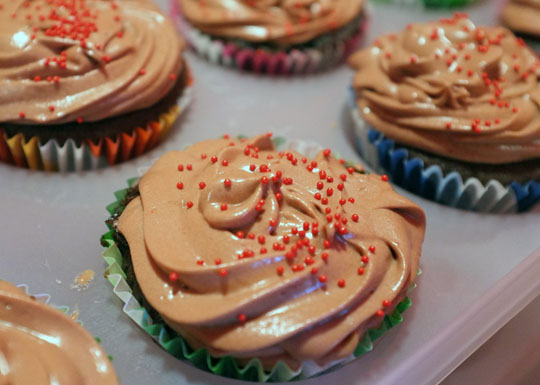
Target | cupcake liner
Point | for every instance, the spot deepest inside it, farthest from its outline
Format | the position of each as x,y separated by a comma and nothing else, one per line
384,155
226,366
327,51
88,155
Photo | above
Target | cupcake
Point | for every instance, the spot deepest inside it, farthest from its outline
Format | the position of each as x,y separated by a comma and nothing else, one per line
271,263
271,37
521,16
41,345
86,84
451,112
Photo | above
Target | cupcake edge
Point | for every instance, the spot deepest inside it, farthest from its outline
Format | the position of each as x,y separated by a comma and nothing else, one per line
386,156
326,53
49,155
226,366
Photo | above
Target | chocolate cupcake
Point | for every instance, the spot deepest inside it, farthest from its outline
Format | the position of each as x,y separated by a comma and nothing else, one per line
86,83
306,256
451,112
272,37
41,345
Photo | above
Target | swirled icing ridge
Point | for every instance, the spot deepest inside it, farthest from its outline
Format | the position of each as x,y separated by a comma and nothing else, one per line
254,253
453,89
40,346
83,60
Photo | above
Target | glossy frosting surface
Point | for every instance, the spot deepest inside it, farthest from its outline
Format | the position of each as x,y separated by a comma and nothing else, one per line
284,22
255,253
453,89
41,346
83,60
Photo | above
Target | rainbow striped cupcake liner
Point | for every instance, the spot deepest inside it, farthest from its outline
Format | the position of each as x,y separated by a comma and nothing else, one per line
325,52
50,155
386,156
225,366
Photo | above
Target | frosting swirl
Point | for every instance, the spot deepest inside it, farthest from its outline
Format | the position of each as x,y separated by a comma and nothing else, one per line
283,22
83,60
453,89
254,253
40,345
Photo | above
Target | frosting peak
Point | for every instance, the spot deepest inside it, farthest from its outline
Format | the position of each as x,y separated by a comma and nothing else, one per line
454,89
83,60
275,255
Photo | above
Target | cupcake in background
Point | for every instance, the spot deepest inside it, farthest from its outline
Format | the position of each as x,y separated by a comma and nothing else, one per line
86,83
451,112
42,345
310,261
522,16
274,37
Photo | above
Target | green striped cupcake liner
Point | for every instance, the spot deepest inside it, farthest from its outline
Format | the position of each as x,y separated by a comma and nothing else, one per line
225,366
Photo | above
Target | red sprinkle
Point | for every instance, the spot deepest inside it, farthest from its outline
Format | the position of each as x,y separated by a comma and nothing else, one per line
341,282
323,278
223,272
280,270
227,182
179,185
372,248
223,206
202,185
173,277
384,178
360,271
355,217
189,204
241,317
380,313
386,303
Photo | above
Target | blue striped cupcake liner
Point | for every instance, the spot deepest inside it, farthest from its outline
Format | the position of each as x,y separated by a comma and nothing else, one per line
430,182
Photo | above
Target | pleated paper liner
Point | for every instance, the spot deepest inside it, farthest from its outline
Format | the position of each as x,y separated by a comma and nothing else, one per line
90,155
223,366
325,52
429,182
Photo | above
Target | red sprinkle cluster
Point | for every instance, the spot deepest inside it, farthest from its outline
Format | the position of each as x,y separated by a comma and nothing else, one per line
300,239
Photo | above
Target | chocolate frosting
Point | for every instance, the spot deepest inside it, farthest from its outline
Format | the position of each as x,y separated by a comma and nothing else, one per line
40,345
254,253
453,89
522,16
83,60
283,22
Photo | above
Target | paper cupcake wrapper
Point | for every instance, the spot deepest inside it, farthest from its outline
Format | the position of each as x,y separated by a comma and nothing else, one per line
327,51
88,155
386,156
224,366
